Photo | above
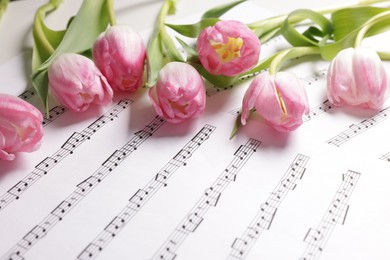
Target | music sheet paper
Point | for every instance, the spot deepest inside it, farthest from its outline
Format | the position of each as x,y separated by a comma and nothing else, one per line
117,182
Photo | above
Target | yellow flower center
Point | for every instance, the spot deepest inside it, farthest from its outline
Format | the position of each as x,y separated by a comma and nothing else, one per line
230,50
281,102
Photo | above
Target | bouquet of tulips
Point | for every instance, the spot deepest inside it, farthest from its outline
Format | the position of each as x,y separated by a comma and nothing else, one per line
94,58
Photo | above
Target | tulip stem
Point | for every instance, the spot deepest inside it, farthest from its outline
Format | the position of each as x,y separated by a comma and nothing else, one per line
289,54
38,27
111,12
270,25
381,17
169,7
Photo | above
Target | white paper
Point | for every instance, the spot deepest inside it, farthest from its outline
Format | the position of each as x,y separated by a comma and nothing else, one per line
119,183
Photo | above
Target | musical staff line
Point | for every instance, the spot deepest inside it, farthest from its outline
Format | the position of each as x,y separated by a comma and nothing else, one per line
75,140
82,190
318,110
316,238
209,199
385,157
27,94
143,195
263,219
356,129
54,113
310,79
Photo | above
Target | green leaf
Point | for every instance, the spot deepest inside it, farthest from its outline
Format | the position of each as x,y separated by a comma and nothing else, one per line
218,80
373,26
3,7
192,54
45,40
193,30
91,20
161,48
220,10
297,39
155,59
348,19
237,125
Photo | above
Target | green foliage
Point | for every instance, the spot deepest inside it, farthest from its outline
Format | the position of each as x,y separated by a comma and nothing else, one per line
92,19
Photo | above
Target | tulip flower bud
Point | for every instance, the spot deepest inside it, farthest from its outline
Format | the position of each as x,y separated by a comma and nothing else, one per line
76,82
228,48
280,99
179,93
357,77
21,127
120,55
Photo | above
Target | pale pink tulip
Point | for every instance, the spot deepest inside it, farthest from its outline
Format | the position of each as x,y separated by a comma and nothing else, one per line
357,77
179,93
280,99
120,55
76,82
228,48
21,127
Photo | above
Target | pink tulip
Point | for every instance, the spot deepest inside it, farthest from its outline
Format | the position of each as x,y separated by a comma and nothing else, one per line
76,82
120,55
21,127
280,99
179,93
228,48
357,77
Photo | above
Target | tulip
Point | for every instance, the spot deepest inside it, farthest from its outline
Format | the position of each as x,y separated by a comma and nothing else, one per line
21,127
76,82
228,48
280,99
120,54
179,93
357,77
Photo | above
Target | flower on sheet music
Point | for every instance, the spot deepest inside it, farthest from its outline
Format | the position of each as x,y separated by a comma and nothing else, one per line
76,82
21,127
120,55
179,93
357,77
228,48
280,99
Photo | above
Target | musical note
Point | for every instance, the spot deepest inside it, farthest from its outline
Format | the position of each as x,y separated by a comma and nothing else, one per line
81,190
27,94
212,196
355,129
61,209
318,110
209,199
89,251
190,223
114,226
43,167
142,196
54,113
336,213
265,216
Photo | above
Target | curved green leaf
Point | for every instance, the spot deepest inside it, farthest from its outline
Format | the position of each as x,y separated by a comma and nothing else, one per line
348,19
91,20
193,30
220,10
379,25
297,39
192,54
219,81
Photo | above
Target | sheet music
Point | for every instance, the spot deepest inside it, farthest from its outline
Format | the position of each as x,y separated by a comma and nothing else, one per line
118,182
